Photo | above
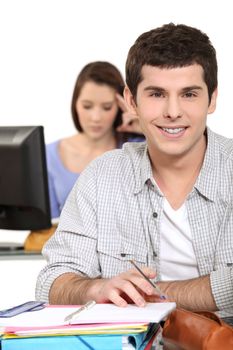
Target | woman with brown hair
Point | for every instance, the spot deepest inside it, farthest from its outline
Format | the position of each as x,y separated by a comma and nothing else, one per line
102,122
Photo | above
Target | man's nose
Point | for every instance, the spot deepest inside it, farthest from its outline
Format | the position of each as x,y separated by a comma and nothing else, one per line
173,108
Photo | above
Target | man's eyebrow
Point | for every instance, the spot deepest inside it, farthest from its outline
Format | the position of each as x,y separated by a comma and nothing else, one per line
192,87
160,89
154,88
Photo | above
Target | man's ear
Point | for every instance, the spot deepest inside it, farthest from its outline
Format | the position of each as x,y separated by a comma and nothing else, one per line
212,105
129,100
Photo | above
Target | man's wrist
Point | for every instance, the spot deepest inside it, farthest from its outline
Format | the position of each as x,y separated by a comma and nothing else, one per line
194,294
95,289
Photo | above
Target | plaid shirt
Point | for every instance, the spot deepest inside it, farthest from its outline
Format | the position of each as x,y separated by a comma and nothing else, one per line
113,215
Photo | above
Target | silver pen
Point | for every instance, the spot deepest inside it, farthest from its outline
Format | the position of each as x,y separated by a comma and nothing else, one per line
87,306
161,295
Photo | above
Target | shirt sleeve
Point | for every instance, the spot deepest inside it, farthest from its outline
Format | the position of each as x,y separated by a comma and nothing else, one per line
77,230
221,277
222,288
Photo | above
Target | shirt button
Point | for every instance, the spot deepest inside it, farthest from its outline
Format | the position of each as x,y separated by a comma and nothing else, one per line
155,215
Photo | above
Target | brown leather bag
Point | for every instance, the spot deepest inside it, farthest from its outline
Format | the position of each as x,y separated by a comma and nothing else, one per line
186,330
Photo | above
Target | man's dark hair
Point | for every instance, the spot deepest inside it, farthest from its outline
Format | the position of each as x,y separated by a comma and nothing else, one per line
172,46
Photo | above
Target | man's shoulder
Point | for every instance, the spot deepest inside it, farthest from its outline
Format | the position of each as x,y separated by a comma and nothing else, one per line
114,168
130,152
224,144
118,163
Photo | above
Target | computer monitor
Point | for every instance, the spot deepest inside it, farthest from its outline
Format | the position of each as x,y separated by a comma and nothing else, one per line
24,196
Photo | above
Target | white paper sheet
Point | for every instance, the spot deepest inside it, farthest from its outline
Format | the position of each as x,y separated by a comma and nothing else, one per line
100,313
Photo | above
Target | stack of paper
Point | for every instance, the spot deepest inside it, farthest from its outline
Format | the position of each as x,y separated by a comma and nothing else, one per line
104,328
46,328
100,313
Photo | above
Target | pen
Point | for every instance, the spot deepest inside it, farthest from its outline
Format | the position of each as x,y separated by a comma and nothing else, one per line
162,296
87,306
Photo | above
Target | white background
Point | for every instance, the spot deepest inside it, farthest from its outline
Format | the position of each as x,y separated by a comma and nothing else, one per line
45,43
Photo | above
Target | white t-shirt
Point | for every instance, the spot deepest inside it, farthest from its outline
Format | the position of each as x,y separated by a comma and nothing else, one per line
178,261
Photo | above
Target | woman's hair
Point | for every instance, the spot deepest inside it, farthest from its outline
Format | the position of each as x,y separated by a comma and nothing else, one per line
102,73
172,46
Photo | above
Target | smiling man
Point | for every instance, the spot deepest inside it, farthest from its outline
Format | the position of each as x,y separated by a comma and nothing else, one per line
165,203
172,105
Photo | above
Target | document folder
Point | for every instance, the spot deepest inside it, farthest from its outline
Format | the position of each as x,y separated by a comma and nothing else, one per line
82,342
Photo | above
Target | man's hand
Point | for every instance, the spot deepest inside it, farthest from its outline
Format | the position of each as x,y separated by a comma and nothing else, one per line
127,287
130,121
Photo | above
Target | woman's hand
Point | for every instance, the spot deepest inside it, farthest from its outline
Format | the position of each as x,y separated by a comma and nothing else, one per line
130,121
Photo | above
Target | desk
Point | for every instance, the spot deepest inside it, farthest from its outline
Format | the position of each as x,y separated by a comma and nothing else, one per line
19,271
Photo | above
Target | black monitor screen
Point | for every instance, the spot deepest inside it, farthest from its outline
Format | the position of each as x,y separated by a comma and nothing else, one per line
24,198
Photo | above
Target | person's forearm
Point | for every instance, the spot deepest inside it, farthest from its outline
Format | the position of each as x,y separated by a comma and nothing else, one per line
128,286
194,294
71,289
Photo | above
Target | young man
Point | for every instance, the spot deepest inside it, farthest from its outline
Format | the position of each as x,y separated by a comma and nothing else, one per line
165,203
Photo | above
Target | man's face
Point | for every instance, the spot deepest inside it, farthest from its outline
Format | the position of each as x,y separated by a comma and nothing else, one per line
172,105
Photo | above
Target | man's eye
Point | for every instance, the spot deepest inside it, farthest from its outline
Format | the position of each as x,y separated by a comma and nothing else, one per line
157,94
189,94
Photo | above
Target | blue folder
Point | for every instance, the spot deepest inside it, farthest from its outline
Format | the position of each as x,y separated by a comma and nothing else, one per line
80,342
